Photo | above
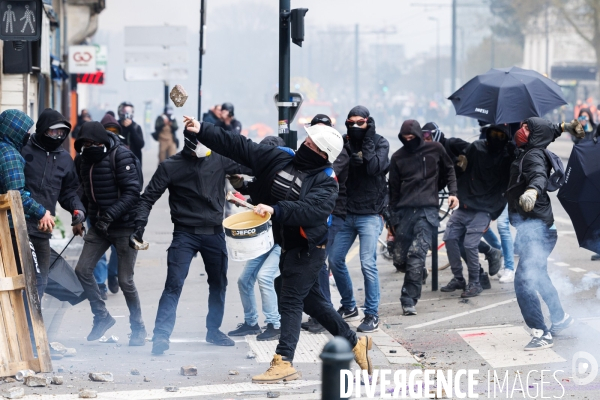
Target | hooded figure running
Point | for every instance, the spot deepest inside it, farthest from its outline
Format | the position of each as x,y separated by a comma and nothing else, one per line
415,172
299,191
530,211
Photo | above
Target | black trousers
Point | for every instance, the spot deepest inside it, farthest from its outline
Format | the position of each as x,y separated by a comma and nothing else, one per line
298,290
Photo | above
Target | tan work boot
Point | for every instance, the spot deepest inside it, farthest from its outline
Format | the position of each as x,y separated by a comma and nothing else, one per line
361,353
278,371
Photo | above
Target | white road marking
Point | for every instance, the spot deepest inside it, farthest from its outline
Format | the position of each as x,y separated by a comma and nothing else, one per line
576,269
481,327
592,322
353,252
592,275
425,300
307,351
191,391
561,264
550,259
503,347
435,321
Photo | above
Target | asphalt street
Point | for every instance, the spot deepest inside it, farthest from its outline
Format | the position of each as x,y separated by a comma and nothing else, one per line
486,333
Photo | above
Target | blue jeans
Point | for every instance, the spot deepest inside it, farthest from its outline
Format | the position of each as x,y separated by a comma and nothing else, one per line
336,224
179,256
367,228
506,241
263,269
103,269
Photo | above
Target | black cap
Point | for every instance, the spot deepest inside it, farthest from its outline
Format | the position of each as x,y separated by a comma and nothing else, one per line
228,107
321,119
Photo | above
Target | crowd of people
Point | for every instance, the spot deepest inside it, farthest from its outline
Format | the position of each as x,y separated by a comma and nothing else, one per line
320,198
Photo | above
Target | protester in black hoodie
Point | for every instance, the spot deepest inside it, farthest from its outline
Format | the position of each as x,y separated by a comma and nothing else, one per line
530,211
50,176
480,191
415,172
130,130
111,181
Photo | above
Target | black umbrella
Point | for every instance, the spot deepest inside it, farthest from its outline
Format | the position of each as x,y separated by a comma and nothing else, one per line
580,195
62,281
506,95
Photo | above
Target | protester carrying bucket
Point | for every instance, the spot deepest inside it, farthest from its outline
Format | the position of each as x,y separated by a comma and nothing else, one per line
248,235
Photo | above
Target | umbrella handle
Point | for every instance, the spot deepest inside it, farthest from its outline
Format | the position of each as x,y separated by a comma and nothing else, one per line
63,250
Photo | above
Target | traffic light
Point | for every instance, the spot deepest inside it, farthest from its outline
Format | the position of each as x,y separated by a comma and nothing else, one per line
298,25
21,20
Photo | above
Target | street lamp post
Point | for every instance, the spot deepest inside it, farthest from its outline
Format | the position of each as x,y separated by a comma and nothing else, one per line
437,67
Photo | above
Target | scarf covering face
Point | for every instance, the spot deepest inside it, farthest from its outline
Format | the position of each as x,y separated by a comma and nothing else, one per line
307,159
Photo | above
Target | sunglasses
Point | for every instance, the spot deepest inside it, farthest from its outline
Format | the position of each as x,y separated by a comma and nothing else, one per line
56,133
359,122
89,143
427,134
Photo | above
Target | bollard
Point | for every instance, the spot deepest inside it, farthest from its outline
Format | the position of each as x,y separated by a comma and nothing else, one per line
336,356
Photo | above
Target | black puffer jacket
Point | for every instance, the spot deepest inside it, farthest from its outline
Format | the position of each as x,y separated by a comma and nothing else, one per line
50,176
366,184
111,191
535,173
317,196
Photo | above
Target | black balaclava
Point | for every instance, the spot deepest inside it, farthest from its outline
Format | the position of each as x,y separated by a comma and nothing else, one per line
496,137
355,133
95,132
50,118
307,159
411,127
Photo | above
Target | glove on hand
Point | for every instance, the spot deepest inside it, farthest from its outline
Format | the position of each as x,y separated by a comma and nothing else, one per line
527,200
237,181
103,224
574,128
356,159
462,162
137,235
78,217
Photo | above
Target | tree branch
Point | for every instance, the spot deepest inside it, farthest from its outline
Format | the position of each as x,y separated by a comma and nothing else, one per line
566,15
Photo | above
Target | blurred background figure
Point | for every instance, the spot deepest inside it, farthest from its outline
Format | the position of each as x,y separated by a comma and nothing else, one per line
83,117
213,115
165,128
228,120
131,131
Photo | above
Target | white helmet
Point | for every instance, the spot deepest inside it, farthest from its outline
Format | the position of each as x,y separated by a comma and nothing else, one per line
327,140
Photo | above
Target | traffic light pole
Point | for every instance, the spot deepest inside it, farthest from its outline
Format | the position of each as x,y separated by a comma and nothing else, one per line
200,54
284,73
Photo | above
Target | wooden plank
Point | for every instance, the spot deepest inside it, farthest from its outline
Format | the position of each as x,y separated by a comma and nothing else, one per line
14,283
4,349
35,308
4,205
12,368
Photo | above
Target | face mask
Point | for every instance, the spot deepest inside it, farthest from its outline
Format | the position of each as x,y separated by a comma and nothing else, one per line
410,145
356,133
521,137
48,143
306,159
199,149
93,154
496,141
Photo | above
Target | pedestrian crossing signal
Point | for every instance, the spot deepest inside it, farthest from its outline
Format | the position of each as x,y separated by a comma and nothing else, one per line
21,20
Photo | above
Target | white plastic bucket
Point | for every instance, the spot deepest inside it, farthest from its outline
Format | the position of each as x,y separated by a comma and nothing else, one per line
248,235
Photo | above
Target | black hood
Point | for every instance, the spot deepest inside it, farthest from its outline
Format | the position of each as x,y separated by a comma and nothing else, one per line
48,118
95,131
359,111
541,133
412,127
274,141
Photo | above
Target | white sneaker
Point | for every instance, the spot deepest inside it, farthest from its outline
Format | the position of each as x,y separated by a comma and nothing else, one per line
508,276
501,272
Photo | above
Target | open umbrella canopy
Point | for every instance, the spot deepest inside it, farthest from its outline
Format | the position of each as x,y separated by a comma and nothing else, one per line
62,281
507,95
580,195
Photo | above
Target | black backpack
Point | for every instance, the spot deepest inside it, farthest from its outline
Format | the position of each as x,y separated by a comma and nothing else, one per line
557,178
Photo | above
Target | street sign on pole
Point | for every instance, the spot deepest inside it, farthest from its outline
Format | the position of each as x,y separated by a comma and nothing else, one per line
155,36
132,74
101,57
157,57
82,59
21,20
294,103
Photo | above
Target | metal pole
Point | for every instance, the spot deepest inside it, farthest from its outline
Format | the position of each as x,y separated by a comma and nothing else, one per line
200,54
453,62
434,260
547,43
284,72
356,64
166,95
437,21
492,52
336,356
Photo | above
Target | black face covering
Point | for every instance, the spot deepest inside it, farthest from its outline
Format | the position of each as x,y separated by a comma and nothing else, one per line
94,154
306,159
410,145
356,134
496,142
47,142
26,139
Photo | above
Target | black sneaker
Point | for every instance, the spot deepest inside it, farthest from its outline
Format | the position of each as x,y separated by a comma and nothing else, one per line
472,290
453,285
307,324
349,315
217,337
101,325
409,310
138,337
484,281
425,275
113,284
596,257
494,258
370,323
160,344
562,325
245,329
315,327
269,334
103,295
539,341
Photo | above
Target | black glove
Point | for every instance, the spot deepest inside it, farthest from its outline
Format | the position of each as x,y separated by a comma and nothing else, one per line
102,224
370,128
356,159
137,235
78,217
